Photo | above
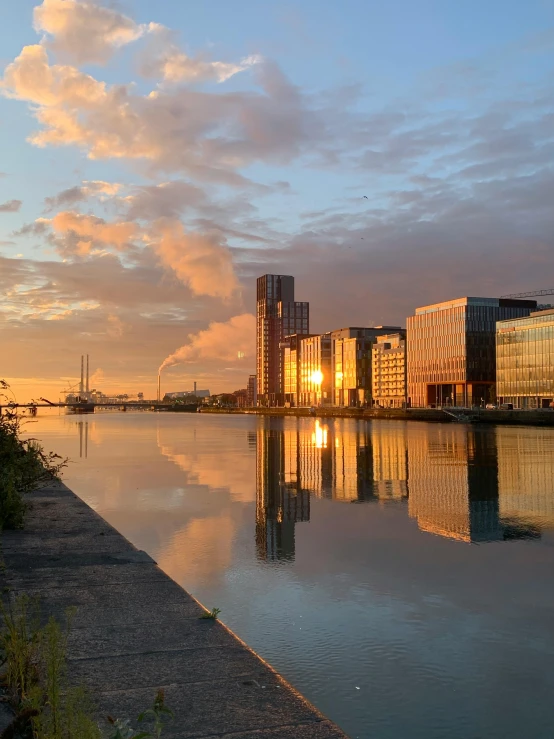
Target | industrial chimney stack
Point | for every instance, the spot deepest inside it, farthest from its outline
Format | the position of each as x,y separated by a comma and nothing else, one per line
82,383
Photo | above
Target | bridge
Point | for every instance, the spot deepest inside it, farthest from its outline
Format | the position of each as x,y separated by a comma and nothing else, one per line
87,407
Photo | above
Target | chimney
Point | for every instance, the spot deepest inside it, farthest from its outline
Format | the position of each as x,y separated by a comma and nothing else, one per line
88,386
195,388
159,386
82,383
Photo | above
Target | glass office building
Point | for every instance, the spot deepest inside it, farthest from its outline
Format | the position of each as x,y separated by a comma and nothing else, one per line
525,360
451,350
277,315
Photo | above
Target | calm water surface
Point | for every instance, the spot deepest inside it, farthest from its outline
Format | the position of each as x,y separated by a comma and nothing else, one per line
400,575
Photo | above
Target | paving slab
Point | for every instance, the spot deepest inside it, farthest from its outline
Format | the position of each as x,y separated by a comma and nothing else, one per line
135,630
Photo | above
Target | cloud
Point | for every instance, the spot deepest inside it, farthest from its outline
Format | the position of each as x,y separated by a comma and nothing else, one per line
210,136
165,200
88,233
225,342
81,193
37,228
165,60
10,206
84,32
201,261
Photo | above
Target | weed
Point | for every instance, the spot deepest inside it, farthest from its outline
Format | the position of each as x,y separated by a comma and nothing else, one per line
212,615
20,646
36,677
160,715
24,465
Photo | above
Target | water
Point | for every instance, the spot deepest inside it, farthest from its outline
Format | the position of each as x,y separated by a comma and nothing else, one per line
399,575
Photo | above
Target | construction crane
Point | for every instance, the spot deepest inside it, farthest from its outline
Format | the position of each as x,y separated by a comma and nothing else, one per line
531,294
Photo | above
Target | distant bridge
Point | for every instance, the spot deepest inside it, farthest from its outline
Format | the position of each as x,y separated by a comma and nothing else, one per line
90,407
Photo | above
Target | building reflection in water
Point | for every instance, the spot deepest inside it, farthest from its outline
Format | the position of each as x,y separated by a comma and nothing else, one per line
526,474
454,483
280,503
83,439
461,482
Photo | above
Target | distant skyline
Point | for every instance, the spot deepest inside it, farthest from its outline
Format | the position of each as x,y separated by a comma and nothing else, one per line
156,158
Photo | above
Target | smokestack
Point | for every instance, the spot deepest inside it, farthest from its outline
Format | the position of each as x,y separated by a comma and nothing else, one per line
88,387
195,388
82,384
159,386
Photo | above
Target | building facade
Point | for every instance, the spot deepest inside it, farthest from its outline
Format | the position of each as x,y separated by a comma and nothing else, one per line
451,350
290,348
389,388
525,360
252,394
315,386
277,315
351,363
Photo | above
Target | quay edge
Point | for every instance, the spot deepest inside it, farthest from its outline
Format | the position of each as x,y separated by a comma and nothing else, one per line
136,630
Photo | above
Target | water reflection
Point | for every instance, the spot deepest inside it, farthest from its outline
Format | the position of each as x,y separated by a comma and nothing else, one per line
281,502
83,439
461,482
338,550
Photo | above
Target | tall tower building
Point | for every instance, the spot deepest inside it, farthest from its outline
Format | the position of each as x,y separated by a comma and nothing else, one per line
278,315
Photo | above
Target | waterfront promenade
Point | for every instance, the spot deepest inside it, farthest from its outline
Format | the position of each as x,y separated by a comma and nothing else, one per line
428,415
136,630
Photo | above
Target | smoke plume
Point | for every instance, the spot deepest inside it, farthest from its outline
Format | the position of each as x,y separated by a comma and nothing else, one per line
201,261
231,341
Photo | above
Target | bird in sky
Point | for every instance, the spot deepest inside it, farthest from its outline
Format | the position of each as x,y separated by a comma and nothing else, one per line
365,196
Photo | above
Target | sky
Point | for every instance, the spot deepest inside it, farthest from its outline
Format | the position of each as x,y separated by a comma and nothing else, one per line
157,157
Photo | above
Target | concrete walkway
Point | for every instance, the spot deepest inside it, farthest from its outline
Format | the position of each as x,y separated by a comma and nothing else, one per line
136,630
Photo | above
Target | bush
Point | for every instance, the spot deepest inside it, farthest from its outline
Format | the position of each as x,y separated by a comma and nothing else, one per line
24,465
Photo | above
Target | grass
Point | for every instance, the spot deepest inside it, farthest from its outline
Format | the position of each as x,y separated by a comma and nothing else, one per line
212,615
24,465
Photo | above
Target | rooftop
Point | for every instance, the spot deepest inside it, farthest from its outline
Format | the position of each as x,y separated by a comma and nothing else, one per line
483,302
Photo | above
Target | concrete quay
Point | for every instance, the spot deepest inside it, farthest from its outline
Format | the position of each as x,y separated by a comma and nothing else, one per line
136,630
543,417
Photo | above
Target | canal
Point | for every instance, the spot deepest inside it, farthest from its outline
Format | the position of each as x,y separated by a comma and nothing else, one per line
400,575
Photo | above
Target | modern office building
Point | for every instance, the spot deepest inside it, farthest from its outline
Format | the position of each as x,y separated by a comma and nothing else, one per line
389,388
290,351
451,350
351,363
525,360
278,315
315,386
251,391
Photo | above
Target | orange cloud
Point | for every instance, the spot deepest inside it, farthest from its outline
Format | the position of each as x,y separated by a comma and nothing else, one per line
229,341
165,60
92,229
216,134
85,31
